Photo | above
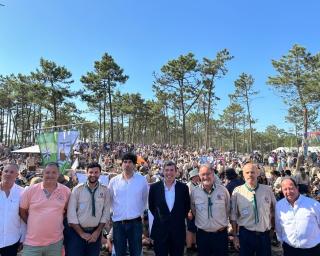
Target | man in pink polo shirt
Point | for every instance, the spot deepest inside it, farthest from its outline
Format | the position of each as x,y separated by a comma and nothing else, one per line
42,207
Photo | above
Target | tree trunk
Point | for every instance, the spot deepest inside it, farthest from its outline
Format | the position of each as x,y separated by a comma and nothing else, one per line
104,115
111,112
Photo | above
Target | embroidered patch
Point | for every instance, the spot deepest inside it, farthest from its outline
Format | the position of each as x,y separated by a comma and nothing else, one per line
219,197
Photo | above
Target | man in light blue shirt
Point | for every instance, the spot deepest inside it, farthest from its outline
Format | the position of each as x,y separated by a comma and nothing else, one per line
297,222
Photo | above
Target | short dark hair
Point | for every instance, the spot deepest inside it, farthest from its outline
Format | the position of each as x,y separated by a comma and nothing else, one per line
130,156
231,174
52,164
93,165
287,172
289,178
169,163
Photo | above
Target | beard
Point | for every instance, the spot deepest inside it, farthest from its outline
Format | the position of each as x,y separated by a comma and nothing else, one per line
93,180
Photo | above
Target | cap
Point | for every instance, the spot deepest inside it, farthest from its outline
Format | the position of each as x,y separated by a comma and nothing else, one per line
193,173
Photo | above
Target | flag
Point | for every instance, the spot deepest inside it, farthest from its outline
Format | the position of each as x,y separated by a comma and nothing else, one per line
48,147
75,164
65,142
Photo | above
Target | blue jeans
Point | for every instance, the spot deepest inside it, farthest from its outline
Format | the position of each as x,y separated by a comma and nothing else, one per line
254,243
76,246
127,233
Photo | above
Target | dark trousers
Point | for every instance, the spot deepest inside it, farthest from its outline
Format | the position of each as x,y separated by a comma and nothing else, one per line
170,245
212,243
291,251
254,243
10,250
127,233
76,246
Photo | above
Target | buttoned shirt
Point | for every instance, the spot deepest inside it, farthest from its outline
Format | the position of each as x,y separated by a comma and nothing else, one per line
170,194
242,210
128,197
12,228
298,225
220,199
80,206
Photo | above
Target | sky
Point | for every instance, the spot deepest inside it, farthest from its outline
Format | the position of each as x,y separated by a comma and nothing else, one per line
144,35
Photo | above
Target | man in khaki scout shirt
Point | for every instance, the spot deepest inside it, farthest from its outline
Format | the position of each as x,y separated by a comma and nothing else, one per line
210,203
252,214
88,212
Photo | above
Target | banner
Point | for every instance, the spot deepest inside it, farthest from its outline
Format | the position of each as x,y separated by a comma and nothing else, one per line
313,136
65,142
48,147
57,147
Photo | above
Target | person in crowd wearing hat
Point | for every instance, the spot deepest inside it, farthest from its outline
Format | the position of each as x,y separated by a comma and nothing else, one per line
233,180
42,207
297,221
169,203
129,195
12,227
210,204
191,227
252,214
21,180
88,212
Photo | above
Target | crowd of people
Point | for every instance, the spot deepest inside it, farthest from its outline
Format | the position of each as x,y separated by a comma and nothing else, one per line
168,198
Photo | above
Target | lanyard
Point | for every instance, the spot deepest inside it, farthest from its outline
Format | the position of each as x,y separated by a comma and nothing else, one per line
254,202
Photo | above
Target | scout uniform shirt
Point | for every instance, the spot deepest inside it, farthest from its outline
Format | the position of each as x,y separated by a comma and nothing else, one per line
84,211
254,216
211,210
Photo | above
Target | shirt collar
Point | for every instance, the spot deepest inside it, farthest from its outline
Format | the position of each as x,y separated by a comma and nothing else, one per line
132,177
97,185
58,185
212,189
173,185
297,202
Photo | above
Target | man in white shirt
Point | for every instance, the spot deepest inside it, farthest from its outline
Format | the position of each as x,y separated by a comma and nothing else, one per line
169,203
12,227
129,195
297,221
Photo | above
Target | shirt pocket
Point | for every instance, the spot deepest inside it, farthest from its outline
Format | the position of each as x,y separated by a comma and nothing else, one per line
244,211
200,206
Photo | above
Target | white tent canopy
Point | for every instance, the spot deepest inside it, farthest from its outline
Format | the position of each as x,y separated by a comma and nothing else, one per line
291,149
33,149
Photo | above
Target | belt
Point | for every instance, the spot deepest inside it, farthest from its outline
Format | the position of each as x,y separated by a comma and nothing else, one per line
138,219
223,229
257,233
89,229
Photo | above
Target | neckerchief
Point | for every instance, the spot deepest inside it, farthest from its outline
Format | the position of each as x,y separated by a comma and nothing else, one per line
254,202
209,201
92,192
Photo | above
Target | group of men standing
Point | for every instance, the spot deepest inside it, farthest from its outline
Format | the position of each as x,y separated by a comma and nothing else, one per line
251,209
